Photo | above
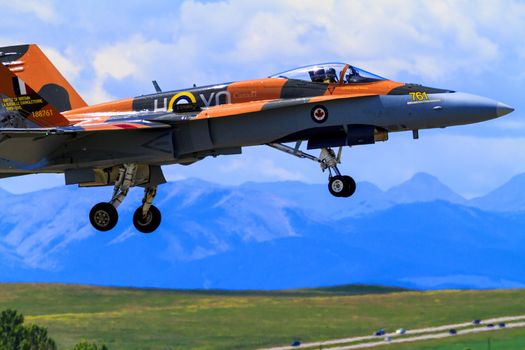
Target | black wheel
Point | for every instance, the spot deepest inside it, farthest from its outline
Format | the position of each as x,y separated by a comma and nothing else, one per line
103,216
336,186
150,222
341,186
350,186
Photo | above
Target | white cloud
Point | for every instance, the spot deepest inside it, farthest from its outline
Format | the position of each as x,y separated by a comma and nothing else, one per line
270,169
264,168
43,10
117,61
144,60
235,39
30,183
97,94
255,164
511,124
65,65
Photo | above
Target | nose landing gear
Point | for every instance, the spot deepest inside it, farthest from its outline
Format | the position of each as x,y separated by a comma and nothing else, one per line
338,185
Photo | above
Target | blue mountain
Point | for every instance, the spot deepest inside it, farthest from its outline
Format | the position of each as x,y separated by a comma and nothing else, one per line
423,188
419,234
508,198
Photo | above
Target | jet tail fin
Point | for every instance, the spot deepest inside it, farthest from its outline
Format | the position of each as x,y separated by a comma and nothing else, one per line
22,107
31,64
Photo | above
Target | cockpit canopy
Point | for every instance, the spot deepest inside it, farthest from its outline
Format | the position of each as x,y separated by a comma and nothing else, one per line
330,73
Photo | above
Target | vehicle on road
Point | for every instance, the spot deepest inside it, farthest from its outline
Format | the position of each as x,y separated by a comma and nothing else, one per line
379,332
401,331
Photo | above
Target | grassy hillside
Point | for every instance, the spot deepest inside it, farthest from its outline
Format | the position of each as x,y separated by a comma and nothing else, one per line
163,319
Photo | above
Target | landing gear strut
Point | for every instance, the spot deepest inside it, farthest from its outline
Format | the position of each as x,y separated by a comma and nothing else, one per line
147,217
104,216
338,185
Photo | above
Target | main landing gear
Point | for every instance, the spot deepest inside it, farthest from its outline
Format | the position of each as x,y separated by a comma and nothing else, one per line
104,216
338,185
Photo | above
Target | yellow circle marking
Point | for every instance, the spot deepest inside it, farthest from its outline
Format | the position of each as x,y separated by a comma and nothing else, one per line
177,96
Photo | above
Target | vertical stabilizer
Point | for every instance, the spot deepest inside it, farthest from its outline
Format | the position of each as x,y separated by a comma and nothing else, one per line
30,64
22,107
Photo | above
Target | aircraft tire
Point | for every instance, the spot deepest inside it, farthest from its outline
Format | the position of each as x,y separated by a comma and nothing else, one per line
336,186
103,216
150,223
350,186
341,186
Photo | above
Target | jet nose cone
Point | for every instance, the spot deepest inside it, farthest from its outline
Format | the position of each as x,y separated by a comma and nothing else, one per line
503,109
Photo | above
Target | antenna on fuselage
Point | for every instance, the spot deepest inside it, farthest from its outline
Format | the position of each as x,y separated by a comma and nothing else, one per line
156,86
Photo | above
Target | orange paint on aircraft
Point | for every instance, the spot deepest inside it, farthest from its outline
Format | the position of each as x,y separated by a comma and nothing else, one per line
256,90
325,98
233,109
124,105
105,126
382,87
39,112
37,71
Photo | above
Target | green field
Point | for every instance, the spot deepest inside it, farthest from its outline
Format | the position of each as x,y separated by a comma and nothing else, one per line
163,319
508,339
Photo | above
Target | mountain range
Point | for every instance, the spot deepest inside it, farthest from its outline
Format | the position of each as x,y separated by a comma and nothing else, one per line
419,234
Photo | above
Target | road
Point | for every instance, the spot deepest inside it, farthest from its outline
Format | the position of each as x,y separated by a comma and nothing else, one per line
425,337
424,334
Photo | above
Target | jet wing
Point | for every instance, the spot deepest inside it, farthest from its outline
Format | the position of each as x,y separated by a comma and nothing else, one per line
114,126
92,124
28,146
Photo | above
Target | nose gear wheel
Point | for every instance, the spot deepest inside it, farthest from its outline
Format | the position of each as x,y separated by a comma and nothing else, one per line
341,186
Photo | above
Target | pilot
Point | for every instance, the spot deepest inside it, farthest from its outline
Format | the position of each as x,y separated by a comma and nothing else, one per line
352,76
331,76
318,76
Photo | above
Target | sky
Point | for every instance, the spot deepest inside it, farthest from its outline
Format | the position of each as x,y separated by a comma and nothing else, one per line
114,49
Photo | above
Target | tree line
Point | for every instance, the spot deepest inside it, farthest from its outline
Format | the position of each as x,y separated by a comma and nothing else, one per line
15,335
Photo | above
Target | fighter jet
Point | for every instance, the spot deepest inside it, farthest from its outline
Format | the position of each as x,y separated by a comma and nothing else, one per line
46,127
